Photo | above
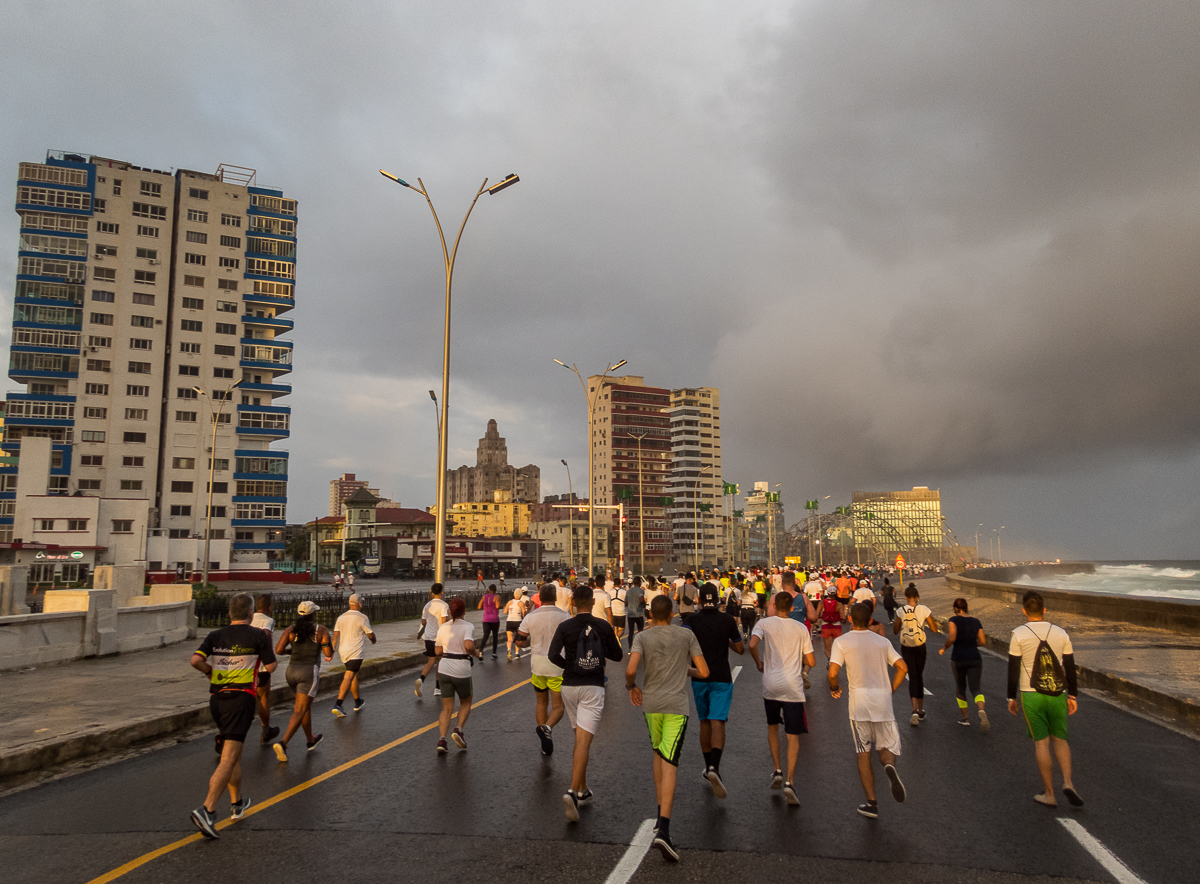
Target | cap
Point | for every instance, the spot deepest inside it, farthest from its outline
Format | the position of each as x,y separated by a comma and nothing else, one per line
709,595
307,607
354,599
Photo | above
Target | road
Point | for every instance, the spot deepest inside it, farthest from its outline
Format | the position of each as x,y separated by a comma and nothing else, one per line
496,809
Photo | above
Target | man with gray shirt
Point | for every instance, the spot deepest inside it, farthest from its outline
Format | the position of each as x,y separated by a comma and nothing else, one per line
536,631
635,608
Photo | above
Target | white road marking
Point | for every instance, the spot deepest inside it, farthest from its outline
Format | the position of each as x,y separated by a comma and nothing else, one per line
736,670
1100,853
634,855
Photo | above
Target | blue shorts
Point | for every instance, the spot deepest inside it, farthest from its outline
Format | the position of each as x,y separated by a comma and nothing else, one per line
712,699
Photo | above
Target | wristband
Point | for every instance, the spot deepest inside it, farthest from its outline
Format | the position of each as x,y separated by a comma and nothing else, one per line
630,687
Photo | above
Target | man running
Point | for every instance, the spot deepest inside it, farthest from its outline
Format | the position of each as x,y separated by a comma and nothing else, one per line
263,620
801,611
1041,663
455,649
435,613
686,596
618,598
231,657
579,647
350,635
562,595
717,632
536,631
601,603
866,656
671,654
786,647
635,608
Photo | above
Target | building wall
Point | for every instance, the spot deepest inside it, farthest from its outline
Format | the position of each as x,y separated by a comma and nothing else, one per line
569,540
696,477
898,521
772,530
492,473
343,487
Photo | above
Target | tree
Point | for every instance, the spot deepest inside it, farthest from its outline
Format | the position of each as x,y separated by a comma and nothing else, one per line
297,548
353,552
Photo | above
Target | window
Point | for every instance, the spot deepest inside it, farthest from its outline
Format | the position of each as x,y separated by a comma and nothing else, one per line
226,328
197,194
136,390
107,227
140,344
181,487
190,370
233,263
107,297
186,416
108,274
77,524
197,281
45,524
99,205
186,393
95,412
177,532
139,368
197,215
243,535
265,420
116,187
222,372
231,220
179,510
53,197
193,258
183,463
136,414
224,350
221,464
145,277
143,298
97,341
220,418
102,319
229,285
131,484
275,204
189,347
99,365
260,511
141,321
234,242
150,188
89,484
192,325
273,465
219,487
261,489
96,389
218,512
91,460
144,230
151,254
122,526
92,436
135,437
102,251
146,210
133,461
227,306
196,236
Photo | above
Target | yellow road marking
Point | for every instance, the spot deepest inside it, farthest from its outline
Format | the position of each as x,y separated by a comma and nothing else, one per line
283,796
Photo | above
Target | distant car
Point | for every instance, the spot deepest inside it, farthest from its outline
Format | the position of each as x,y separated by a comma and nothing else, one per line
403,574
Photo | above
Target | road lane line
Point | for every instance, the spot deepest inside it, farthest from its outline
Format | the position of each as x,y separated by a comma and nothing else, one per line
1111,862
736,670
634,855
282,796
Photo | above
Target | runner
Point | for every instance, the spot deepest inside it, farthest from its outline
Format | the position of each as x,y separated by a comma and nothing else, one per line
760,590
889,599
686,596
786,647
562,595
435,613
263,620
306,640
501,581
601,603
618,599
654,588
802,612
845,588
514,612
717,633
490,605
911,620
964,634
866,657
231,657
536,632
479,579
831,615
864,593
350,635
635,608
749,607
671,653
579,647
1041,664
455,649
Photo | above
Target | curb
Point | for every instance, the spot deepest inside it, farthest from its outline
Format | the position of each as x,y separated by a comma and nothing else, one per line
124,736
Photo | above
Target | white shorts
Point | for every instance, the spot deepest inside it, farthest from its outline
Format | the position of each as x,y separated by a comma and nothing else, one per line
877,735
584,703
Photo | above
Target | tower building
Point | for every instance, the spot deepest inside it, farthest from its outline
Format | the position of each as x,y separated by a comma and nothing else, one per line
697,516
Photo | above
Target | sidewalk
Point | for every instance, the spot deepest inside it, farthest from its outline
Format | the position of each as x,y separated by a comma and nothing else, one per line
1153,671
53,714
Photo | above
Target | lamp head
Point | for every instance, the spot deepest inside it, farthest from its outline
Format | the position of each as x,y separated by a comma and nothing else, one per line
236,384
618,365
433,395
395,178
507,181
564,461
563,364
199,392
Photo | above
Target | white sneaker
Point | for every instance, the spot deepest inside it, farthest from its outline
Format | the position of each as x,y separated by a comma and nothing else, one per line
417,687
915,720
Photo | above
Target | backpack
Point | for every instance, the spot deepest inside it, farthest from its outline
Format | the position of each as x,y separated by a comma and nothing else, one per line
1047,676
589,652
732,602
912,634
829,612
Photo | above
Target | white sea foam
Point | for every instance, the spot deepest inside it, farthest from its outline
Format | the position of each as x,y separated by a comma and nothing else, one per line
1136,579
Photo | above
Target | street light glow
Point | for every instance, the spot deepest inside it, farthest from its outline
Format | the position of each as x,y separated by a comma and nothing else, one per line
395,178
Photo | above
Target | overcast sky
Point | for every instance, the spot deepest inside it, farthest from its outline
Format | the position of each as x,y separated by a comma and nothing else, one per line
952,245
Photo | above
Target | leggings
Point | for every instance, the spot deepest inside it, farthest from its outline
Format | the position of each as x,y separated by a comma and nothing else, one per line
749,616
966,681
493,628
634,625
914,659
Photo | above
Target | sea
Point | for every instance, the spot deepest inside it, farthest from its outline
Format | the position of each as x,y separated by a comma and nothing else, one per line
1161,579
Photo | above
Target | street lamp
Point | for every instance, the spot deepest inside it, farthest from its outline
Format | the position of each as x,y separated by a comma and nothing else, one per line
212,463
591,404
999,555
571,510
696,519
448,256
641,512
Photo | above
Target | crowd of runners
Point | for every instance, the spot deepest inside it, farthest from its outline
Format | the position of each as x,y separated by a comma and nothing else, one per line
674,638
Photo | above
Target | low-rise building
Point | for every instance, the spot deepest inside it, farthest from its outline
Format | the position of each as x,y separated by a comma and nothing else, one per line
500,518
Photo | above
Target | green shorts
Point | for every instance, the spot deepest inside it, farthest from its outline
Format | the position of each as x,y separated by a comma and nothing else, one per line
542,683
1046,716
450,685
666,734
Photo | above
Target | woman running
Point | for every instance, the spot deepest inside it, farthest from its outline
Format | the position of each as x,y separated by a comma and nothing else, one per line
490,604
455,650
514,612
832,612
909,624
889,599
305,640
964,635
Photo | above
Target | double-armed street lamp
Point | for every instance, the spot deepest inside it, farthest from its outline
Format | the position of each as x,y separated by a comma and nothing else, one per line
448,256
571,511
215,414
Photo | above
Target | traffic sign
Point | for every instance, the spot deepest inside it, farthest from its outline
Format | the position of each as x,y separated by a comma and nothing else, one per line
900,563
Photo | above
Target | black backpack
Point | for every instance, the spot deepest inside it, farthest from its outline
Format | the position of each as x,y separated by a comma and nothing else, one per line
589,651
1047,676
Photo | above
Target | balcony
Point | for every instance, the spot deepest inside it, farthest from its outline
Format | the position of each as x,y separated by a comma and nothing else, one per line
272,322
274,389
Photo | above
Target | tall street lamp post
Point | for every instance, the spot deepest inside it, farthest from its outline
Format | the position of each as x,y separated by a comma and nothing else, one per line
999,555
212,463
641,512
448,256
571,511
695,518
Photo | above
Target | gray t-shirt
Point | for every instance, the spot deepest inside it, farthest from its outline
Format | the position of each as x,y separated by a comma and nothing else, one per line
635,602
667,652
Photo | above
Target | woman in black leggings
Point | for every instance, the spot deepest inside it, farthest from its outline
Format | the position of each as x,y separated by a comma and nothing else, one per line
964,636
909,624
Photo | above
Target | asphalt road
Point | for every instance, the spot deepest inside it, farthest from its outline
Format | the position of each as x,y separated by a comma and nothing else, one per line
496,809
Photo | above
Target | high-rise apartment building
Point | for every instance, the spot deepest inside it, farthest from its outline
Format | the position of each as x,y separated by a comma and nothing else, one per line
764,511
697,522
342,487
149,308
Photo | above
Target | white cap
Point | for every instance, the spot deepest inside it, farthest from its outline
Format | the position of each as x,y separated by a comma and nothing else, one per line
307,607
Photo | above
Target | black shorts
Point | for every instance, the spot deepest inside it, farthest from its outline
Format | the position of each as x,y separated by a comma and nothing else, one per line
618,622
790,715
353,665
512,625
264,680
233,712
429,648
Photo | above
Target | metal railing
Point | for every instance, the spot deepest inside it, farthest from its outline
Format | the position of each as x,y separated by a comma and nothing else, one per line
380,607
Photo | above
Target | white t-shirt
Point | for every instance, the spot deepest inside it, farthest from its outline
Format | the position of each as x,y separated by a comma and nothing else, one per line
262,621
601,601
452,638
609,586
1027,637
814,589
352,628
651,593
784,644
863,594
540,626
922,614
865,657
618,602
434,608
562,599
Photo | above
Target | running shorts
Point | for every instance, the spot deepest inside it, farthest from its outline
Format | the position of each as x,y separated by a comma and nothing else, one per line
712,699
877,735
429,648
353,665
512,625
543,683
789,714
618,622
828,631
451,686
1045,716
233,712
585,704
666,735
302,679
264,679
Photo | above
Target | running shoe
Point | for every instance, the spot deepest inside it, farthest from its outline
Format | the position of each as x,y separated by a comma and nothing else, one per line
897,787
714,780
984,724
493,655
965,722
459,738
543,733
870,810
662,843
789,792
921,715
1073,797
442,747
280,751
417,687
437,692
313,745
915,720
571,803
237,808
584,797
268,735
337,710
804,678
777,780
510,656
205,822
359,704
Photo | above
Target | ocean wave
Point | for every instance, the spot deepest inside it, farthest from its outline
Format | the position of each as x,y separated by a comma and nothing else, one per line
1145,571
1167,593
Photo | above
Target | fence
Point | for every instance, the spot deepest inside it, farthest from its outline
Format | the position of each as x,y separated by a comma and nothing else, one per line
380,607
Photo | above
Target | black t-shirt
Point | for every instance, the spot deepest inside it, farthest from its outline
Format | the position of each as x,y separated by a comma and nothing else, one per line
235,653
966,638
714,631
562,650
